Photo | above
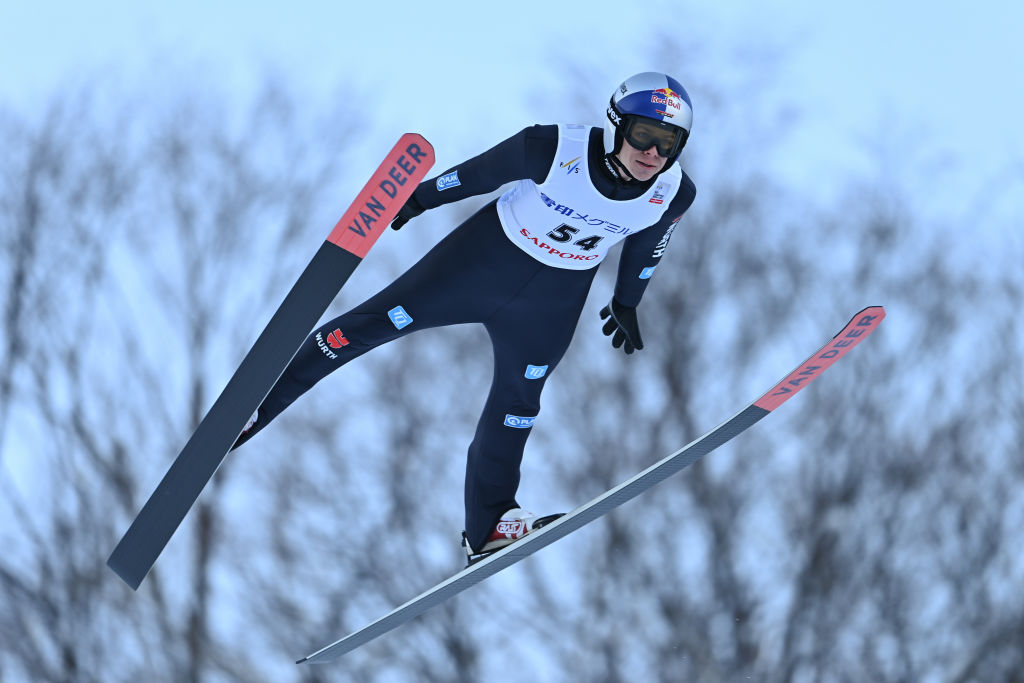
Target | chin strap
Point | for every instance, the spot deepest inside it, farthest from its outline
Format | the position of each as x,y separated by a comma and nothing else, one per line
617,169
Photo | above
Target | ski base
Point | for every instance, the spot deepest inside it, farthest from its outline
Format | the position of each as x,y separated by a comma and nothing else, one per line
862,324
344,249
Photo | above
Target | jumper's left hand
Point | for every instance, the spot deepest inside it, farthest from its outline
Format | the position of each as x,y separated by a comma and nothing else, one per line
622,323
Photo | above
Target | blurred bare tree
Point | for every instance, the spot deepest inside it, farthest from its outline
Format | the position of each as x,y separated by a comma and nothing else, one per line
134,236
177,233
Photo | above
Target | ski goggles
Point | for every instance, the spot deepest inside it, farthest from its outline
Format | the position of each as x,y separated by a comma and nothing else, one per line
643,133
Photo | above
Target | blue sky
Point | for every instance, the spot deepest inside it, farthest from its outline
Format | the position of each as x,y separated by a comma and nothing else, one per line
937,85
955,65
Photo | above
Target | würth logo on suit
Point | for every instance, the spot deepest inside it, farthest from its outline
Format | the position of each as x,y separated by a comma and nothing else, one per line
335,340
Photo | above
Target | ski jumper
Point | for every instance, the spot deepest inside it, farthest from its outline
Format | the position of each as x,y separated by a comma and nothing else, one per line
522,267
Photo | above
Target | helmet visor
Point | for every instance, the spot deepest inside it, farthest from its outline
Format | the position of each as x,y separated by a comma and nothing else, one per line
643,133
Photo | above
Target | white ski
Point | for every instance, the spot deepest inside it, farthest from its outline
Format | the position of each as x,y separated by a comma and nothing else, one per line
862,324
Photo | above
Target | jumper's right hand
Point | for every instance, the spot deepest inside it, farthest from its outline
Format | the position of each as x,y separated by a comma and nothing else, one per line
409,210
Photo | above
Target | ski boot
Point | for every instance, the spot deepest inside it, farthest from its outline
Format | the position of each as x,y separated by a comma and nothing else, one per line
244,436
512,526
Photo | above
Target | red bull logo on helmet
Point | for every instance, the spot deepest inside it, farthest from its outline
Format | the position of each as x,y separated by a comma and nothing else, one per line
668,98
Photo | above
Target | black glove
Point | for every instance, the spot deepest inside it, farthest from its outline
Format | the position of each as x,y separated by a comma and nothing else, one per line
409,210
622,322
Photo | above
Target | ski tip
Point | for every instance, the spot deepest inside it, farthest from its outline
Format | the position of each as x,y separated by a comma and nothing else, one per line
388,189
870,316
416,138
860,326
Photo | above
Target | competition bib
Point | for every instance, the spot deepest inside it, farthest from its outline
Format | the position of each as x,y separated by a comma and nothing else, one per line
565,222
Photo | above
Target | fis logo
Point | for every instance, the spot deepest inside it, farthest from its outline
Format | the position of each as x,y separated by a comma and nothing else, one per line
448,180
572,166
399,318
518,422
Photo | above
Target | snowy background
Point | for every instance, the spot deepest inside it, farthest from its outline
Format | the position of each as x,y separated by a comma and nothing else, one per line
166,172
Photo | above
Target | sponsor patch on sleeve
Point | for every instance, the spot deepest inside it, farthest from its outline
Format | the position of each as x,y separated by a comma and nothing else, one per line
448,181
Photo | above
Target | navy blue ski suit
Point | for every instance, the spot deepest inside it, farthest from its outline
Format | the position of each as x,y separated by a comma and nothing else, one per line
477,275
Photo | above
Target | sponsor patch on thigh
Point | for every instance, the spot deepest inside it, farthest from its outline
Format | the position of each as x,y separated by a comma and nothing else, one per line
519,422
536,371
